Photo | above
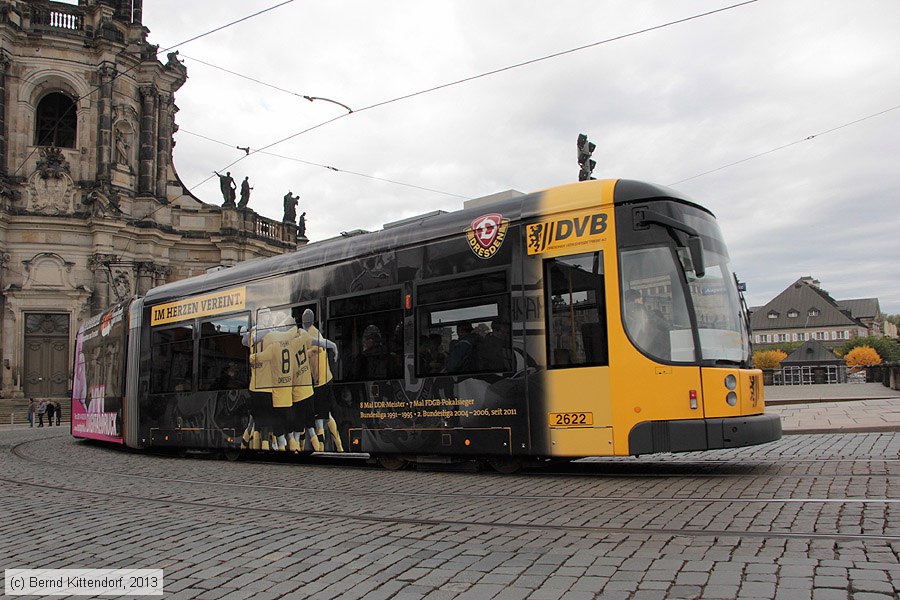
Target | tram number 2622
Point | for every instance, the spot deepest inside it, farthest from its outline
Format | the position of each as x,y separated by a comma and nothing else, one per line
571,419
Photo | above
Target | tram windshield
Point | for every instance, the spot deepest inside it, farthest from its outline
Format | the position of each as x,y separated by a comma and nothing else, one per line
668,309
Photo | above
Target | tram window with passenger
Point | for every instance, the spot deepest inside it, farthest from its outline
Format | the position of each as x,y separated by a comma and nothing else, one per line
223,357
368,331
655,311
464,326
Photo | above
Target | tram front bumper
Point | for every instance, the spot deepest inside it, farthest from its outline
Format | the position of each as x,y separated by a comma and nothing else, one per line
691,435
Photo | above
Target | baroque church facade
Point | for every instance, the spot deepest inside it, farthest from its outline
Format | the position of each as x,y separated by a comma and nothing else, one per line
92,210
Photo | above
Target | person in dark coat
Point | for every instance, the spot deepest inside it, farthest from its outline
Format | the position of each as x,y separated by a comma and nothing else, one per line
51,408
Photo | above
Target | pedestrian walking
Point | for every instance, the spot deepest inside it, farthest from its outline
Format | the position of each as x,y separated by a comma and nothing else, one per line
41,410
31,410
58,412
51,408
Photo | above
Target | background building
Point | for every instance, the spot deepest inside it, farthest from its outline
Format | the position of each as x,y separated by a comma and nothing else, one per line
804,311
91,208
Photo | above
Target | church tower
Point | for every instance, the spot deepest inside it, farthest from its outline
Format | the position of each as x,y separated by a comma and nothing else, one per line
92,210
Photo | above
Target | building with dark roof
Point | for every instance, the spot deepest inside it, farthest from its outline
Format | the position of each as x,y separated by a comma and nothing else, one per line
812,353
811,363
804,311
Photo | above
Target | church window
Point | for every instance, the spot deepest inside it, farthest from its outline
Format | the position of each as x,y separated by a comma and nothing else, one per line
56,121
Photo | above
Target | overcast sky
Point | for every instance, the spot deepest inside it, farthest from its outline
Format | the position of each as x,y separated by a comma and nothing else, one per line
664,106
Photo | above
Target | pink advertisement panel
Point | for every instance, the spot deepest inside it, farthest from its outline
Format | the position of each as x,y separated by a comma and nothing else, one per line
99,383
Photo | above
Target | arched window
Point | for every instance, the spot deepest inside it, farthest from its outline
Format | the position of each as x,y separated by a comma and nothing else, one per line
56,121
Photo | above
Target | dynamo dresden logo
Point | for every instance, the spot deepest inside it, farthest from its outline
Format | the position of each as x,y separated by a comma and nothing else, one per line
106,324
486,234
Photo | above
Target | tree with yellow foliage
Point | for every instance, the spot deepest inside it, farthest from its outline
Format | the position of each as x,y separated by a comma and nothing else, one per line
861,356
768,359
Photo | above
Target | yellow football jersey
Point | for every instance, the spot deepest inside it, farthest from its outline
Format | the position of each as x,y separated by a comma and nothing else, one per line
273,367
261,378
319,356
302,374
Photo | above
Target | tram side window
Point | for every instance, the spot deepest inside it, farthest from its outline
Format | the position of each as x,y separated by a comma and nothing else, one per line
576,311
223,358
368,331
172,359
471,332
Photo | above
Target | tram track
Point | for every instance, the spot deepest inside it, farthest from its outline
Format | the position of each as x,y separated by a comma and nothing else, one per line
18,452
632,470
618,469
343,491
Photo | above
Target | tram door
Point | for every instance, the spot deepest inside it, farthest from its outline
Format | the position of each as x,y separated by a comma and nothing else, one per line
46,364
579,415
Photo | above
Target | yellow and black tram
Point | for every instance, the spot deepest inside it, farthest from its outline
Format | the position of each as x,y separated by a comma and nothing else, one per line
594,319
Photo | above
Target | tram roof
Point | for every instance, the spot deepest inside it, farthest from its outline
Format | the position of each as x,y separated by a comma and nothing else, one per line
412,231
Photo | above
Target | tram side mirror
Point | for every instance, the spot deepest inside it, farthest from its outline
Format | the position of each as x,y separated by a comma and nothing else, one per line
695,246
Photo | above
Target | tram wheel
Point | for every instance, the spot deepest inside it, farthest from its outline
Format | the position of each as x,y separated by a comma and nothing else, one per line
505,465
232,454
393,463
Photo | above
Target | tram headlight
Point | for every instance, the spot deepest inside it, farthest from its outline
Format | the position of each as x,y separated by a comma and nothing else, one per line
731,399
730,382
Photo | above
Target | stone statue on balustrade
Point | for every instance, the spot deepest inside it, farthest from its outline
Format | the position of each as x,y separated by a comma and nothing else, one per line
228,187
290,207
301,226
245,193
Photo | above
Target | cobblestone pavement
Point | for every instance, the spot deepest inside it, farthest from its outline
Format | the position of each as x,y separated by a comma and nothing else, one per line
810,516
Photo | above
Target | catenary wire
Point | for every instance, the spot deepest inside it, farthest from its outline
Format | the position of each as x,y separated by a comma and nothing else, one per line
485,74
399,98
329,167
794,143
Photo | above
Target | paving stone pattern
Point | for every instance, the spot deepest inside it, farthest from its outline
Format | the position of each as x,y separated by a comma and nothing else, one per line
698,525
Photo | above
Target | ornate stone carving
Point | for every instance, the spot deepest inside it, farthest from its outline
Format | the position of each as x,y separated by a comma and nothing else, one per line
52,196
47,270
100,260
100,203
50,188
107,71
52,163
125,112
144,267
121,285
